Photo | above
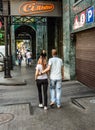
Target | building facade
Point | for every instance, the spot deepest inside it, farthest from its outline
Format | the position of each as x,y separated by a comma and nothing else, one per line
79,40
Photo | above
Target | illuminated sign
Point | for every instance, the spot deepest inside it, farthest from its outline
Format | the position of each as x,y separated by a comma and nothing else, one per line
28,8
36,8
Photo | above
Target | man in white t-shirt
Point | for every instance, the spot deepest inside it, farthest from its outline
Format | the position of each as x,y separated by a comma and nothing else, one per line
29,57
55,66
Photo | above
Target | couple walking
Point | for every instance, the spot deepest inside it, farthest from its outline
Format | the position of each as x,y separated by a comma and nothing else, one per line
55,69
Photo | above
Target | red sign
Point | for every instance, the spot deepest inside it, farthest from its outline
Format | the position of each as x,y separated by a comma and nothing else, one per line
79,21
0,24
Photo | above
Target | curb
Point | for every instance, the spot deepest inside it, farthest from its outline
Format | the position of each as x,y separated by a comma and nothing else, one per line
12,81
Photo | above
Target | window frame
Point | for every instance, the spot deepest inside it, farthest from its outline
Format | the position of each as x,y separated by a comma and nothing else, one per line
77,2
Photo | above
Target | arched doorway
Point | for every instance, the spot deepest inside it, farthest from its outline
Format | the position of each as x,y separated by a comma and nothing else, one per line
25,37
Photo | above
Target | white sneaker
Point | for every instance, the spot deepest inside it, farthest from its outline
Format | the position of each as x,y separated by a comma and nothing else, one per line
58,106
45,108
40,105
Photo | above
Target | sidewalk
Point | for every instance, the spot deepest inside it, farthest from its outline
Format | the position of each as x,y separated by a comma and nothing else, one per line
14,80
19,105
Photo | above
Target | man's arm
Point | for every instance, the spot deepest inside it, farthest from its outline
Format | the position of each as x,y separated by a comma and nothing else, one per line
46,70
62,71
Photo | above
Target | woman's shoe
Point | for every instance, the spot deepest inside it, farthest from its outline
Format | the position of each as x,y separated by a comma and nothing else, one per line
40,105
45,108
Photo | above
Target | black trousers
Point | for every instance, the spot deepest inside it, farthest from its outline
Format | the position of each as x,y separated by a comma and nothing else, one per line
42,85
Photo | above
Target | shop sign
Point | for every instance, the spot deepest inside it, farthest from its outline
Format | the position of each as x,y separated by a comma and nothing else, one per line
36,8
79,22
90,15
28,8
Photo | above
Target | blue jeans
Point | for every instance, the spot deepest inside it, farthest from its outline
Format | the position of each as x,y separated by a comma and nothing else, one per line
55,91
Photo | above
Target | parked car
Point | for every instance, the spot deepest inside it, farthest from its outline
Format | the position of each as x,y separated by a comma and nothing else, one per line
1,61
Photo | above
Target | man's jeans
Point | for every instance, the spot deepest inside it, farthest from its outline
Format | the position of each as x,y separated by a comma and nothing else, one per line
55,91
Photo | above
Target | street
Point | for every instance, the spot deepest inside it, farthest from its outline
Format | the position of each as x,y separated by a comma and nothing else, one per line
19,106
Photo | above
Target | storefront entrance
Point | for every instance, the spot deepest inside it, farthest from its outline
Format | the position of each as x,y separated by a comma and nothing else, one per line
25,39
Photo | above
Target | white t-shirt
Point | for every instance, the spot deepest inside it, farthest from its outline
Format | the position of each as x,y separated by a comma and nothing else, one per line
28,55
40,69
56,68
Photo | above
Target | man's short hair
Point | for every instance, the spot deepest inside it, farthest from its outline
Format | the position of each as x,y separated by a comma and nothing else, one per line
54,52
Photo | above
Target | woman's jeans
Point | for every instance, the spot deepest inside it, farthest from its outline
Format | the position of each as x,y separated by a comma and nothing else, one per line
42,83
55,91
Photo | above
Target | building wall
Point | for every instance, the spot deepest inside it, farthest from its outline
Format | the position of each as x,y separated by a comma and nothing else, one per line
41,39
69,51
82,24
71,12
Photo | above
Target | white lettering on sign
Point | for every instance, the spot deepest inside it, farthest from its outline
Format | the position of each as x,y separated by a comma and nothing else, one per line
89,14
82,18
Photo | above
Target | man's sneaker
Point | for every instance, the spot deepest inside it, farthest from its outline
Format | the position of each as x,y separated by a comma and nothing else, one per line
45,108
52,104
40,105
58,106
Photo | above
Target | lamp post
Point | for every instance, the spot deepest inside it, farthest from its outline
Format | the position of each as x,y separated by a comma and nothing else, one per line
6,12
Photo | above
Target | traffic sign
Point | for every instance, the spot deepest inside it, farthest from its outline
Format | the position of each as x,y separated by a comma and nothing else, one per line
90,15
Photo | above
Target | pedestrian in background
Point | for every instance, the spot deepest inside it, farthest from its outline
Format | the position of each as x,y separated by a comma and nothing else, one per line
55,66
29,57
42,82
19,58
43,54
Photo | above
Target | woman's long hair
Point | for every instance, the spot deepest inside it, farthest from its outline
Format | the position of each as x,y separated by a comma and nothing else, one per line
43,62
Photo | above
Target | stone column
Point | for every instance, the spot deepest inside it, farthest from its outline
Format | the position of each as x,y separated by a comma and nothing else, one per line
69,46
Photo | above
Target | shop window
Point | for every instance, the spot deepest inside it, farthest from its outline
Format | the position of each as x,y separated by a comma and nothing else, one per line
77,2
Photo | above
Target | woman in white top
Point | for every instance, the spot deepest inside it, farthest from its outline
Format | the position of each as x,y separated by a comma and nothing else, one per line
41,81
